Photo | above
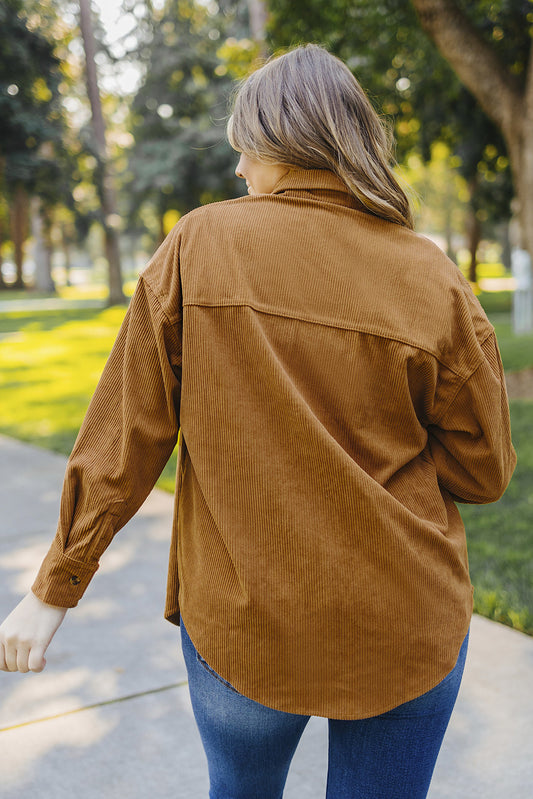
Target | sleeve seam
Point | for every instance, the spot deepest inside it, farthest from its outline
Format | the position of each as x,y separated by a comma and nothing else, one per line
463,382
63,561
153,293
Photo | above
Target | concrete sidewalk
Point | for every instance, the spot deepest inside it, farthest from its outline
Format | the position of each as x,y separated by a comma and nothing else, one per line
110,715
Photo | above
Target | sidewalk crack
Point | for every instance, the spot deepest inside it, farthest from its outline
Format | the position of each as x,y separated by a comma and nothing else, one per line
95,705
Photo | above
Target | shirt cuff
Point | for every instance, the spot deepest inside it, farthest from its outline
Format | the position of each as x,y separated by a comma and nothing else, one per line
62,581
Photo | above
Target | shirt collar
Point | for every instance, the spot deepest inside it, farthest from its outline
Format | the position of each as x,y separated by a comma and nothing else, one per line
321,184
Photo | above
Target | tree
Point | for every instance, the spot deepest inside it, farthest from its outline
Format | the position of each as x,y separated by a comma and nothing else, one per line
500,77
110,217
411,83
31,118
180,158
258,15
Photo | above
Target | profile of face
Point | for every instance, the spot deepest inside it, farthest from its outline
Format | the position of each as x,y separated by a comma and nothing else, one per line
260,178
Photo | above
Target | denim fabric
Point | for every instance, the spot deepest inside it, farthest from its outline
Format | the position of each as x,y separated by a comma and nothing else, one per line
249,747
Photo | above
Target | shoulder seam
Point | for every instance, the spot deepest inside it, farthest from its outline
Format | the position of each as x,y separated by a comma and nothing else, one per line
152,291
336,325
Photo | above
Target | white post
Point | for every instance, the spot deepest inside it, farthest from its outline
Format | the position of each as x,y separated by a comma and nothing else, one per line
523,292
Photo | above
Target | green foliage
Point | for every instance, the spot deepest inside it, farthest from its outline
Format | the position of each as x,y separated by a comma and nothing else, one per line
180,158
410,82
507,25
441,197
34,160
29,100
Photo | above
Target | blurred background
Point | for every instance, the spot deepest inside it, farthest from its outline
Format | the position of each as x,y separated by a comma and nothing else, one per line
112,126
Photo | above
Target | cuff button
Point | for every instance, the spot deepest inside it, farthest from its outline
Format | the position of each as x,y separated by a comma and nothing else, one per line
75,580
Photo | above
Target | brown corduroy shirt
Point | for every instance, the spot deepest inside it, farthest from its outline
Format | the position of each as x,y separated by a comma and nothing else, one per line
338,389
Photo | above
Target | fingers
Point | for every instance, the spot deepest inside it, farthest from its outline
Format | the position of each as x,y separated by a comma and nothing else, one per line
15,656
21,657
36,660
10,655
23,653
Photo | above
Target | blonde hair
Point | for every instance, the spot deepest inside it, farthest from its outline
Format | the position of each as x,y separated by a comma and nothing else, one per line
306,110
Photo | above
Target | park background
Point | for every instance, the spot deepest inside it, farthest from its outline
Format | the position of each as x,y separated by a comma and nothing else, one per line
112,119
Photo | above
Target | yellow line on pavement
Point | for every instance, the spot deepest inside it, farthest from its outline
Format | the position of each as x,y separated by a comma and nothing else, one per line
95,705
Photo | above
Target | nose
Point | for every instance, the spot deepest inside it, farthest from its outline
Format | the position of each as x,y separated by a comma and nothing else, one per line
238,171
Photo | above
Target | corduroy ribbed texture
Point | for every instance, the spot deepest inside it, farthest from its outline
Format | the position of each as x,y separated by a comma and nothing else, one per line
338,389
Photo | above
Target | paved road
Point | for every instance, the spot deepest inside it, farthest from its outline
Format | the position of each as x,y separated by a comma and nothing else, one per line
110,715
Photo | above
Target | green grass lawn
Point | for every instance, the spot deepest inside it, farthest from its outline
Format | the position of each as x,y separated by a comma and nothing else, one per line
500,537
50,363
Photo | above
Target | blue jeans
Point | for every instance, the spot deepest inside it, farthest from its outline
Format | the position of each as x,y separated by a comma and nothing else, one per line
249,747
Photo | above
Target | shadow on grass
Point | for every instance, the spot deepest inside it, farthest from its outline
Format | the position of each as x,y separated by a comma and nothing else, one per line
18,321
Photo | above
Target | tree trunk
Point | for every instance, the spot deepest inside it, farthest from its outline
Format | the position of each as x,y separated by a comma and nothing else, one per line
19,230
162,233
520,145
497,90
2,281
110,217
42,250
258,15
65,246
448,234
474,237
2,230
526,197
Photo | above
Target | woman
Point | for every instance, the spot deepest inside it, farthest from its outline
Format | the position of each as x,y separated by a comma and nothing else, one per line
338,389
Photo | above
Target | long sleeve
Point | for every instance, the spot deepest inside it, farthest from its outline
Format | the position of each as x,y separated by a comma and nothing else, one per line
471,441
128,434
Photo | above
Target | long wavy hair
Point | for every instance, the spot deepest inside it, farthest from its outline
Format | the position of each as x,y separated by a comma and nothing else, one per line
306,110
